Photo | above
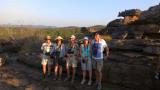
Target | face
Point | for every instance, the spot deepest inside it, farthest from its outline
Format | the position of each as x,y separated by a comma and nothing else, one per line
97,37
58,41
48,40
72,40
85,41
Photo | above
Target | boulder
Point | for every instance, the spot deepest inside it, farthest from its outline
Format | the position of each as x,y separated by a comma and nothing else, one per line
152,50
135,76
30,60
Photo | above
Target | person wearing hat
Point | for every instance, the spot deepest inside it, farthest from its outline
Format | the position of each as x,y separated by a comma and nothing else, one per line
58,52
46,49
86,65
98,46
72,52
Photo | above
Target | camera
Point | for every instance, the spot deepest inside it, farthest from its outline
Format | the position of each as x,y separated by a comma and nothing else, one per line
70,51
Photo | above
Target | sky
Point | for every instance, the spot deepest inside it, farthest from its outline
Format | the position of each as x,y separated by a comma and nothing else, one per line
66,12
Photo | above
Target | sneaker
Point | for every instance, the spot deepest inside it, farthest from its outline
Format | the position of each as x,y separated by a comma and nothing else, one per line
83,81
43,76
157,76
59,78
99,86
89,82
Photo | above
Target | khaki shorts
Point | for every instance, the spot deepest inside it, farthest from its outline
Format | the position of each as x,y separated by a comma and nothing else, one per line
86,65
71,61
97,64
46,60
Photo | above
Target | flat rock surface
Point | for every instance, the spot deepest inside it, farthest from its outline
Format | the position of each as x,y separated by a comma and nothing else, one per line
16,76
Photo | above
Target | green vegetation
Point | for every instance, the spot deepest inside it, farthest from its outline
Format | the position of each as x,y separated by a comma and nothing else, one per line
23,32
27,39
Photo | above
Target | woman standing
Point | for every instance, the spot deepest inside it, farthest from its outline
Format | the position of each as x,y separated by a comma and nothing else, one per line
58,53
46,48
86,65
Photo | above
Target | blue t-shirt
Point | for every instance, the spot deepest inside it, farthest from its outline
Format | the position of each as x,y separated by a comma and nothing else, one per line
98,48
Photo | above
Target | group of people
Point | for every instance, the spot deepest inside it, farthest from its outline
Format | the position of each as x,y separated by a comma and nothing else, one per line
89,54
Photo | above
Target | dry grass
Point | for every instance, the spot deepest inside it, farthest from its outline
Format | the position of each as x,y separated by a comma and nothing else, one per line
30,39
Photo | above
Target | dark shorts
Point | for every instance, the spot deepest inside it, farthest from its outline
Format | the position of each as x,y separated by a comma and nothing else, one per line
59,61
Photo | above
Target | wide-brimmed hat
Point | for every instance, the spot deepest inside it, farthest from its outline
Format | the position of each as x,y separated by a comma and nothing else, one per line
73,37
48,37
59,37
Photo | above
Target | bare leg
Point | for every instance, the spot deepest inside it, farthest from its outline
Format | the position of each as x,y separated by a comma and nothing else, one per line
100,76
84,77
84,74
68,71
96,74
73,73
60,71
49,69
44,69
56,71
90,75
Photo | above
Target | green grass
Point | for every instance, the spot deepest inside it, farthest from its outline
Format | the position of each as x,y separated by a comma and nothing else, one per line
30,39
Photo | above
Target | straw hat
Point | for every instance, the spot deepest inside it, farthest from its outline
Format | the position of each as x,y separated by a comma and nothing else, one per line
48,37
73,37
58,37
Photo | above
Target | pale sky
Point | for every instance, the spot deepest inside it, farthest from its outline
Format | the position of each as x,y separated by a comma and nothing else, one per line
66,12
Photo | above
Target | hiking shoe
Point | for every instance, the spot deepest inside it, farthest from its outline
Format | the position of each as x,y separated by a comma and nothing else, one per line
43,76
59,78
157,76
99,86
89,82
83,81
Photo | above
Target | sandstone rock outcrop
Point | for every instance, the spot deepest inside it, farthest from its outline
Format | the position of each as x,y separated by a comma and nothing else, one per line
133,61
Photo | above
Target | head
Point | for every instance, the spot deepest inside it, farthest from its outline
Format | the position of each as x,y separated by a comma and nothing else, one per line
72,39
86,40
59,40
97,37
48,39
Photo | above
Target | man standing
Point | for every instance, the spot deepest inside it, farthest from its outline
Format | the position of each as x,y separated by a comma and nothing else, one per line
98,46
71,61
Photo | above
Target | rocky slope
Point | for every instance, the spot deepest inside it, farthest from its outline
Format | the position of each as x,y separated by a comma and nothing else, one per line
134,51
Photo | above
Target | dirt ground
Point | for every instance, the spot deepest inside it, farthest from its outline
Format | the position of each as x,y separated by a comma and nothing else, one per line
16,76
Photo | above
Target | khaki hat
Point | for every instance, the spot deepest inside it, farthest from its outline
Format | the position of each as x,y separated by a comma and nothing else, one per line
58,37
73,37
48,37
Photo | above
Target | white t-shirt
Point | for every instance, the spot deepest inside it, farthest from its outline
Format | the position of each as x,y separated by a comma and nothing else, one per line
46,47
98,48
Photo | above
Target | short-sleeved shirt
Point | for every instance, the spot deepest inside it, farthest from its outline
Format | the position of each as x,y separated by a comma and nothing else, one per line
98,48
46,47
58,49
72,49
